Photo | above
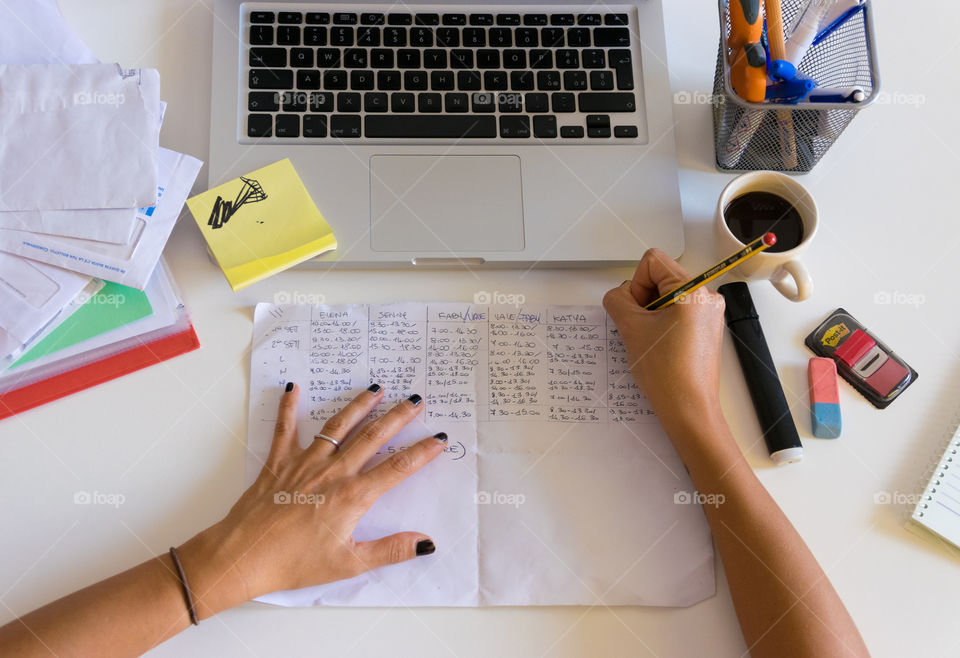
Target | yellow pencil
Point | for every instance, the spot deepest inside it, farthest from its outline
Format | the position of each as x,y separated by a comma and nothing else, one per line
762,243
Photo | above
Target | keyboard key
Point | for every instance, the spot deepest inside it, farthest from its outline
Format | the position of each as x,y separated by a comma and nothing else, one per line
469,81
260,125
603,131
461,59
545,127
508,19
318,17
381,58
537,102
288,125
430,103
335,80
345,125
535,19
562,19
389,80
598,121
526,37
301,58
573,132
355,58
625,131
372,19
361,80
294,101
408,59
435,59
474,37
376,101
574,80
522,81
291,17
271,79
601,80
488,59
622,62
448,37
308,79
267,57
551,37
328,58
616,19
514,127
449,127
514,59
578,37
263,101
314,36
594,59
541,59
510,103
427,19
495,80
563,102
399,19
501,37
589,19
341,36
415,80
348,101
314,125
611,36
485,102
321,101
567,58
456,102
261,16
481,19
607,102
421,37
403,102
442,81
548,81
288,35
345,18
369,36
261,35
455,19
395,37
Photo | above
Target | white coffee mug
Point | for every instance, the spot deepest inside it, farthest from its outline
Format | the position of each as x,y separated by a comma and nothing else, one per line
778,267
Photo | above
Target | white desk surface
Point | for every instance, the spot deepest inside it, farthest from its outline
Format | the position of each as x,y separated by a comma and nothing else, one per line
171,438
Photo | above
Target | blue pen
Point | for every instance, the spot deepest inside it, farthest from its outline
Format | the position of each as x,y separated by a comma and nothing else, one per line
781,69
835,25
790,91
843,95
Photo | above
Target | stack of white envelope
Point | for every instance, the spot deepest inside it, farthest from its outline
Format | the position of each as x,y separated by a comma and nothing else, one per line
86,193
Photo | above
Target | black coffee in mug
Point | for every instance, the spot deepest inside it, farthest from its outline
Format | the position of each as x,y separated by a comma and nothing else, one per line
751,215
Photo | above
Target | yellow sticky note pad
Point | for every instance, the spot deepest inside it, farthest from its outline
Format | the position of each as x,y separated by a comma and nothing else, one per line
261,224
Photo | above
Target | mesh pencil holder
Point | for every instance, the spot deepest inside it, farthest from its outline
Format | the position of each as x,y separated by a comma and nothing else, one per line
793,138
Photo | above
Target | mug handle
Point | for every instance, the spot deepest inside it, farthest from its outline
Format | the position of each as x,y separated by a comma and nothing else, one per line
803,284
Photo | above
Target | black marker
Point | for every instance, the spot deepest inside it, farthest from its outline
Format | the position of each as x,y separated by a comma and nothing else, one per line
779,430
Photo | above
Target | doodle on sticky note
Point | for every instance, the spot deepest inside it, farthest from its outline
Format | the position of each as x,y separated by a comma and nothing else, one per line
251,192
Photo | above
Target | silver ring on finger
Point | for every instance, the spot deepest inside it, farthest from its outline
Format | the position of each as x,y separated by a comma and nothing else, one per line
324,437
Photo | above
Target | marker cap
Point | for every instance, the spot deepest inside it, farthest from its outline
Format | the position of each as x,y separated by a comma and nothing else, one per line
787,456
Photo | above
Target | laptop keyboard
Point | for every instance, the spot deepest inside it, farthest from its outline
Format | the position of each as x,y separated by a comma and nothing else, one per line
398,73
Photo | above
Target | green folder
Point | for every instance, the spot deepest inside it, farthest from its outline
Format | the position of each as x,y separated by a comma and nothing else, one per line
114,306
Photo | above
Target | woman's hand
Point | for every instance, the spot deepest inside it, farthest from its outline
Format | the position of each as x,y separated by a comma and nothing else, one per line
293,527
675,352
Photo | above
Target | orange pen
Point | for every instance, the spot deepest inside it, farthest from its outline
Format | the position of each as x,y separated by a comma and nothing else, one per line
748,73
746,26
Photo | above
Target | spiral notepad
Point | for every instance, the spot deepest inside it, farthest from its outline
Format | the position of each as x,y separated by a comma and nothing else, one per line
939,508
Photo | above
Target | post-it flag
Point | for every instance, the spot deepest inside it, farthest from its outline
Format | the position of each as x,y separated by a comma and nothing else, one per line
261,224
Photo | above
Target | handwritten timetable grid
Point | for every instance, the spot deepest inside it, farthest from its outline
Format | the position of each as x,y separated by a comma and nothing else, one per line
470,363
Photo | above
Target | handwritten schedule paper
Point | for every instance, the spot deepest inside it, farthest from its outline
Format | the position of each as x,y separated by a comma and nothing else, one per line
558,486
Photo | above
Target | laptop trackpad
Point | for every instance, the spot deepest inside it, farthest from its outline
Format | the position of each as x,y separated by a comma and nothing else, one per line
455,203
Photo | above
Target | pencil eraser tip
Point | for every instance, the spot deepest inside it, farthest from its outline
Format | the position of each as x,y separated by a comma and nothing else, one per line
769,239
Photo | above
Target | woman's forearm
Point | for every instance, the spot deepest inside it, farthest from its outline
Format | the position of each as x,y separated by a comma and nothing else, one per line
785,604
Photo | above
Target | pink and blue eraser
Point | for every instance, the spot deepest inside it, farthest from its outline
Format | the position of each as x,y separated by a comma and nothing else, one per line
824,398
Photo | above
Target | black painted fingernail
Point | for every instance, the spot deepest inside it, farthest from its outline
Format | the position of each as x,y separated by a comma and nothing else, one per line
415,400
425,547
441,436
289,386
374,388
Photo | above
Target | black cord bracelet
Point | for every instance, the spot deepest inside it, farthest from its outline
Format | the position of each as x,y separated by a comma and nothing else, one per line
186,588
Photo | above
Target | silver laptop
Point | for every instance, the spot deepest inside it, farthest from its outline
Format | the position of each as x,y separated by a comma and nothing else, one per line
457,134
